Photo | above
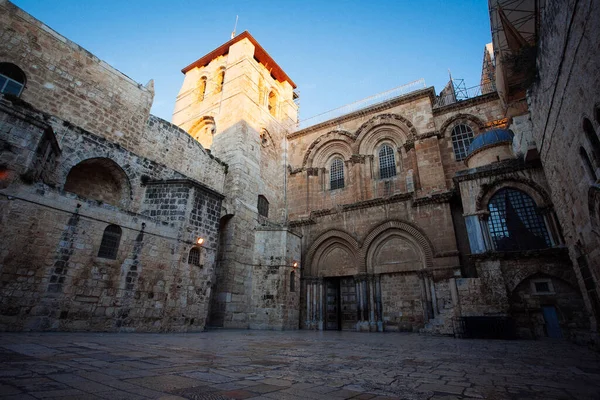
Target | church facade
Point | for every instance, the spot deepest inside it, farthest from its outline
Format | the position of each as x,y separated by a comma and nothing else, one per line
424,212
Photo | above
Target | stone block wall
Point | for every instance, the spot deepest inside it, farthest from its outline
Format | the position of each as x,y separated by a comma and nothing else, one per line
67,81
51,274
559,102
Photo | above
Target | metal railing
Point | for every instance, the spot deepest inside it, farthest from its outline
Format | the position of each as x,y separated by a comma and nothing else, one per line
364,103
457,94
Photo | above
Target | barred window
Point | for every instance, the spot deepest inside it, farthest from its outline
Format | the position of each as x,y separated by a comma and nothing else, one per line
462,135
263,206
110,242
387,162
292,281
336,178
194,256
12,79
515,222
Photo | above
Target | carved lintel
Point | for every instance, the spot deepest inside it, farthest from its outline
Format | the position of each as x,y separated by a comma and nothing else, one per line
357,159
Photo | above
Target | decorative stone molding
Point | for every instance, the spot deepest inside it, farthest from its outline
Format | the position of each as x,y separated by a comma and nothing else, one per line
436,198
495,169
386,119
301,222
426,135
466,103
325,139
333,236
468,119
529,186
409,229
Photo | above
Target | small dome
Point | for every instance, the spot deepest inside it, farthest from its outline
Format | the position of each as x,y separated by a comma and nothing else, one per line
490,138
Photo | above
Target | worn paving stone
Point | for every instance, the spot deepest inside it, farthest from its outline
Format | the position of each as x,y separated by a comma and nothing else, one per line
291,365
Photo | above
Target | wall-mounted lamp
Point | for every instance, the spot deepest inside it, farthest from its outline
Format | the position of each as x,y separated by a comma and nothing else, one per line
199,241
295,264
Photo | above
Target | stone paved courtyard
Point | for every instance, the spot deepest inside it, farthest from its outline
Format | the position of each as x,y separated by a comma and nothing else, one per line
290,365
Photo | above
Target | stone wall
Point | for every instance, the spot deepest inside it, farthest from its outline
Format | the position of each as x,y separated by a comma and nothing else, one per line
67,81
51,272
560,102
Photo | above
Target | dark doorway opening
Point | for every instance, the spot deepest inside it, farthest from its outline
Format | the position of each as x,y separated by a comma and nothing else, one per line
341,309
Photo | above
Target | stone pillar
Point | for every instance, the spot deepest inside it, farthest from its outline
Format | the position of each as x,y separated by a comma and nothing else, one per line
371,303
378,305
425,295
321,304
363,300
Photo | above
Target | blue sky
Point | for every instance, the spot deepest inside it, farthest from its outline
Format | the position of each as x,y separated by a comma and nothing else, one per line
337,52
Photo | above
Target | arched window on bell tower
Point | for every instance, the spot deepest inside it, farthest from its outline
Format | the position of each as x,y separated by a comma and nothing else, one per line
272,103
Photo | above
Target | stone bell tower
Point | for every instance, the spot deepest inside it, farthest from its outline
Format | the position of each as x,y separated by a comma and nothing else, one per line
238,103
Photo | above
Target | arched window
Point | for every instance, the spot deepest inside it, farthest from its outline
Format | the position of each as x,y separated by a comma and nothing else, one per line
263,206
515,222
201,88
336,174
387,162
12,79
292,281
462,135
110,242
272,104
220,80
588,163
588,128
194,256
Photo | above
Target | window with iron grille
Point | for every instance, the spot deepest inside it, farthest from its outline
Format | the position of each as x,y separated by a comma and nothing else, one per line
387,162
263,206
336,174
194,256
110,242
462,135
515,222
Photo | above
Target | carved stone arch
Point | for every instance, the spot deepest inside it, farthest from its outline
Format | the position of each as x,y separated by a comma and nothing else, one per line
405,230
401,123
475,123
99,178
515,276
322,140
328,239
528,186
368,143
200,123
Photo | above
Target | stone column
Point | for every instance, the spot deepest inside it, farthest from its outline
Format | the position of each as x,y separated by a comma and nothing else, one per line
425,295
378,305
321,303
371,303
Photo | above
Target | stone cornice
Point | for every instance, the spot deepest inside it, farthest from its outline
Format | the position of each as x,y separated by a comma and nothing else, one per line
427,92
494,169
554,253
436,198
185,181
466,103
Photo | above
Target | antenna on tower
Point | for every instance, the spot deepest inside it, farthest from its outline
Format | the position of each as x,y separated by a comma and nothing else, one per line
234,27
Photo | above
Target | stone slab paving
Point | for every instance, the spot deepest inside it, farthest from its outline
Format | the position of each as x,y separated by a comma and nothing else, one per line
241,364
